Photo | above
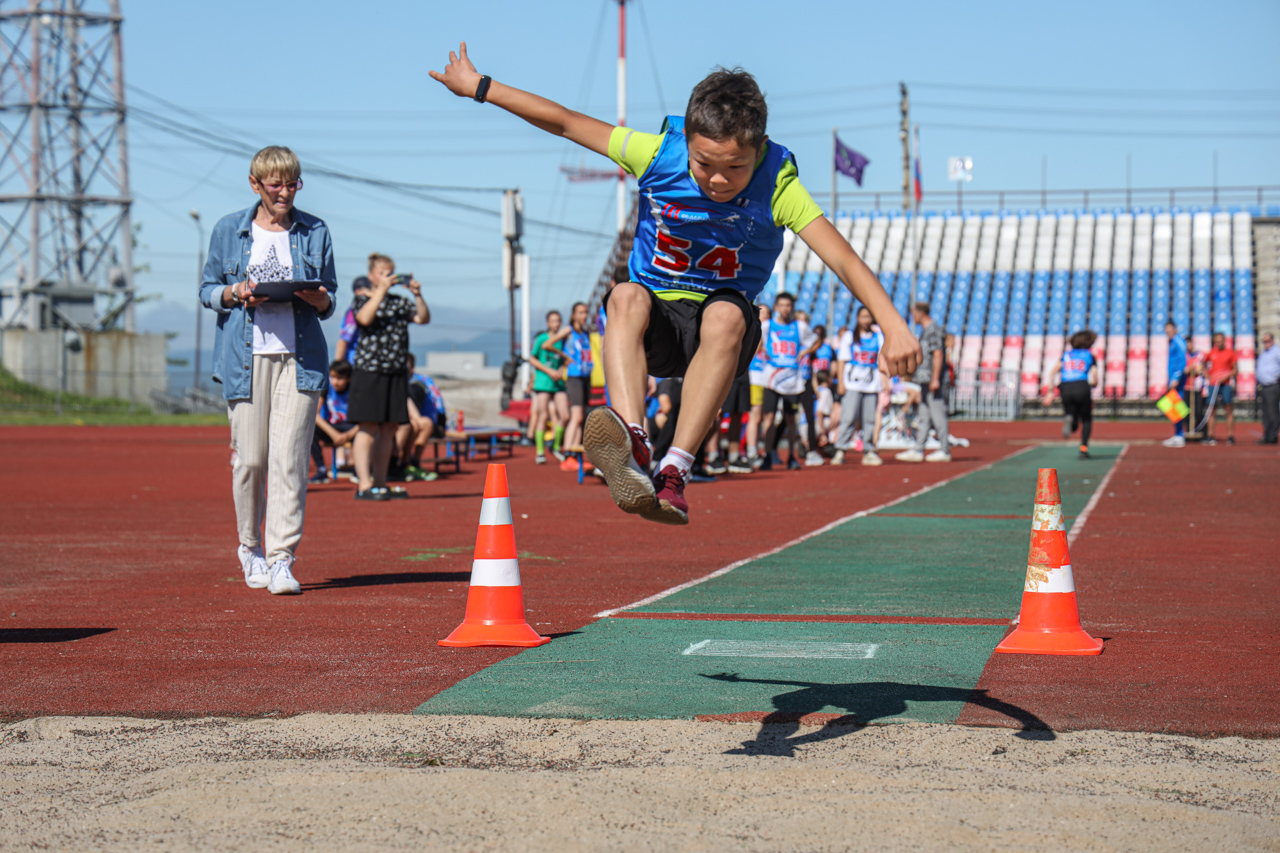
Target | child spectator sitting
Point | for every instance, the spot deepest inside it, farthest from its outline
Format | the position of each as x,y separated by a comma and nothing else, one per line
332,428
426,419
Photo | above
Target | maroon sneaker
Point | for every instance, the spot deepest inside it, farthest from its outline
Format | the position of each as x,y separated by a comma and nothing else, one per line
621,455
672,508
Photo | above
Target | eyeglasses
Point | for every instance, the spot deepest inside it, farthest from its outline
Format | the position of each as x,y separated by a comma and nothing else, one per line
275,188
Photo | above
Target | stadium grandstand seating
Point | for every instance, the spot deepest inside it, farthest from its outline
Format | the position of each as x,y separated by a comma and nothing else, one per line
1011,286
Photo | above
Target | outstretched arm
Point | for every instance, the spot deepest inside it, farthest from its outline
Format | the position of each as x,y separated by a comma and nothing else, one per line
901,350
461,78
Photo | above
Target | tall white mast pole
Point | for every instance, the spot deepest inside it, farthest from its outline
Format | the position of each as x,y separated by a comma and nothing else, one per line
622,108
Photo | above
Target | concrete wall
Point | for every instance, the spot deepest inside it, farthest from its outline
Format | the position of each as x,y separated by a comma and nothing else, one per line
459,365
106,364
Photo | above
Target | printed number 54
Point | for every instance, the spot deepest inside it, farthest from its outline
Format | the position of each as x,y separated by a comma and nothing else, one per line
670,255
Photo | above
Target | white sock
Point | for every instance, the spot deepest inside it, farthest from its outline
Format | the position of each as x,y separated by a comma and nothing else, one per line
677,457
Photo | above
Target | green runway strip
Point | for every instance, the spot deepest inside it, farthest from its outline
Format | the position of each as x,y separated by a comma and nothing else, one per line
878,565
637,669
895,566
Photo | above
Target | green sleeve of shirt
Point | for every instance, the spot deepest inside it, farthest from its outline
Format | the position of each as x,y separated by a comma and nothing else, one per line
633,150
792,205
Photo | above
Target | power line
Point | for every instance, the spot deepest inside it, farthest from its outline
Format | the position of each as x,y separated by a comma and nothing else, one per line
1236,115
1063,91
1083,131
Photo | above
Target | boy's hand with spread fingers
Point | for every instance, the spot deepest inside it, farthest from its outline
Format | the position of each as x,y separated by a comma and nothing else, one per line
460,75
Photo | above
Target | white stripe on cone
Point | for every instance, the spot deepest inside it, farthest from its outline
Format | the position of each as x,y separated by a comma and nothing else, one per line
1047,517
495,511
496,572
1050,580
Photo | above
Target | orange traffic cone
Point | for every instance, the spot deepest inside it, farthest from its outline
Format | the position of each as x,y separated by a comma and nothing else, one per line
495,600
1050,620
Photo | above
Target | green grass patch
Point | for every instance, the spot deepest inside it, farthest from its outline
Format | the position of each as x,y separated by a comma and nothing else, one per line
24,404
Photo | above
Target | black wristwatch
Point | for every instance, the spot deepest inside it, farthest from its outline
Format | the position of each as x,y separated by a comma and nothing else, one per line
482,89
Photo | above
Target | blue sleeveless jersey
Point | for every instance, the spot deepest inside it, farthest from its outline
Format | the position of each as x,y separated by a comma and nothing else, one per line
578,348
1076,364
687,242
782,345
823,357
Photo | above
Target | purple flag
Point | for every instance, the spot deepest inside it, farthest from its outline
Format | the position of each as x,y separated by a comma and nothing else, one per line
850,162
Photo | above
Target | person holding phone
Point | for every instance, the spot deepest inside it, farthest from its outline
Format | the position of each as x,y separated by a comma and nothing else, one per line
380,380
271,360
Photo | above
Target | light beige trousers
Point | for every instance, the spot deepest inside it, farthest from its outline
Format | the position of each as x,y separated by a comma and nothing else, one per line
271,437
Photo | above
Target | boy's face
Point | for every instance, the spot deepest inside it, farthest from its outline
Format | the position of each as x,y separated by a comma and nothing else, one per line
1219,342
339,383
1170,330
782,309
722,168
553,323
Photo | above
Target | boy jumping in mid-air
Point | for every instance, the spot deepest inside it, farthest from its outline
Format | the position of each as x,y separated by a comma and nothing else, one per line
715,198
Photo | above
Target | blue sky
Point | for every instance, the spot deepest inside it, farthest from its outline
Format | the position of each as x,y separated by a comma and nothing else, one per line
1085,85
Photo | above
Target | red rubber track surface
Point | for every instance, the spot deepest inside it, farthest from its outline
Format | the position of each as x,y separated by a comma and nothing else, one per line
1176,569
133,530
130,531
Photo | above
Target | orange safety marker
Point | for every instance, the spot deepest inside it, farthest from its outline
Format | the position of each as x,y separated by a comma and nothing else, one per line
495,599
1050,620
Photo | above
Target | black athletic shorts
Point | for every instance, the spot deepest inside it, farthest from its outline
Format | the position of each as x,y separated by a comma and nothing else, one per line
674,328
1077,400
579,388
738,401
380,398
790,402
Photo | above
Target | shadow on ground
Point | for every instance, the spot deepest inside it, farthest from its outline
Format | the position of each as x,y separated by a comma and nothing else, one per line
864,702
49,635
388,579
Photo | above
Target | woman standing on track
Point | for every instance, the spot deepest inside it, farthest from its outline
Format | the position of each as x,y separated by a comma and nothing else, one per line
271,360
1079,373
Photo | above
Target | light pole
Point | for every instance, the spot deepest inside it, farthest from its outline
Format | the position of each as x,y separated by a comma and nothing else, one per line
195,214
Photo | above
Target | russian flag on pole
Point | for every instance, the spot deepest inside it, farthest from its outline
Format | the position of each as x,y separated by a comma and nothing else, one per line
919,188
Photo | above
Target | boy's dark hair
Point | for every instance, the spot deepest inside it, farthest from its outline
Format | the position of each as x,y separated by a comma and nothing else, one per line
824,376
340,368
727,104
1083,339
784,295
555,312
923,308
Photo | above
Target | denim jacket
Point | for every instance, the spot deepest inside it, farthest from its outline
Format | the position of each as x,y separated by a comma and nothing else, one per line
311,249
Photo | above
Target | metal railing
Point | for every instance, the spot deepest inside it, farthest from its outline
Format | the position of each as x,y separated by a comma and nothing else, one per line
1107,198
986,394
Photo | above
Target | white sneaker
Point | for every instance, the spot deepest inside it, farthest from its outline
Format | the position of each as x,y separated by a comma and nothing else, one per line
813,459
938,456
1174,441
282,580
254,566
910,456
870,457
838,459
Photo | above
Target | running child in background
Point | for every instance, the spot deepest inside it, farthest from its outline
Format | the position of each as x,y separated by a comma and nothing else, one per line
577,349
1076,375
549,397
715,197
787,342
809,367
332,428
859,366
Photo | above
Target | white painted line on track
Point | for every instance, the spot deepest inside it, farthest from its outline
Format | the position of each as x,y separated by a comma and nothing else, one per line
603,614
1078,525
774,649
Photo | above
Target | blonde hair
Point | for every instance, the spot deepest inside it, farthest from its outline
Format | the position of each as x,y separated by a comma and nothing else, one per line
376,258
275,161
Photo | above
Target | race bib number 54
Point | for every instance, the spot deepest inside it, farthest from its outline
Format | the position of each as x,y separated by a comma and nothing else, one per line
669,254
